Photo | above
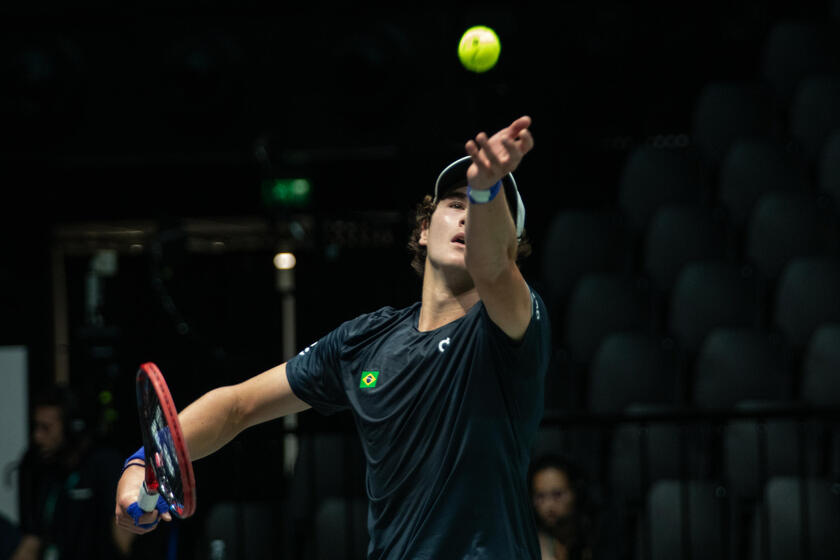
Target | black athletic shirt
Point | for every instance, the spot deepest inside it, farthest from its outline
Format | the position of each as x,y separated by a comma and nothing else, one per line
447,419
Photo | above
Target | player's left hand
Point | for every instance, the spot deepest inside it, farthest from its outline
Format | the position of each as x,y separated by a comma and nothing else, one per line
498,155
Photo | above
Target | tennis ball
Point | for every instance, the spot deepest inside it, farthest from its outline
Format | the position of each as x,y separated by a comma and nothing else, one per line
479,48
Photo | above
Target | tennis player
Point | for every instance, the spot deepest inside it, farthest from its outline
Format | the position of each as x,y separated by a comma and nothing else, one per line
447,394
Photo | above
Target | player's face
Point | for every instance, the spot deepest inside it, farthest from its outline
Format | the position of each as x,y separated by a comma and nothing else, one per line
48,430
552,495
444,238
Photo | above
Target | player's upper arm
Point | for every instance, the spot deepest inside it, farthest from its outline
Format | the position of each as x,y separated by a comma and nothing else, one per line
266,396
507,299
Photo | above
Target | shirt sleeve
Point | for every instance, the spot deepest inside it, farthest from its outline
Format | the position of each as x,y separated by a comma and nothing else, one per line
315,373
522,364
530,355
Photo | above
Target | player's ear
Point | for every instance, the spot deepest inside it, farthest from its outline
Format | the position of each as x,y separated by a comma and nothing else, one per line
423,240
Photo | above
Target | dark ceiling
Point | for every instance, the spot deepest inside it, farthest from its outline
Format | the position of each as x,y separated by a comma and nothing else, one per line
132,115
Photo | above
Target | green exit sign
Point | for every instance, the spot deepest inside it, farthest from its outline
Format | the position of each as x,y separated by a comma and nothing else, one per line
287,192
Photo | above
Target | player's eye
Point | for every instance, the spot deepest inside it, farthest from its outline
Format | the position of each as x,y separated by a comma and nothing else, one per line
456,204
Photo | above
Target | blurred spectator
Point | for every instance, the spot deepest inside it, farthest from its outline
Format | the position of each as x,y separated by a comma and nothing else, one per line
67,486
561,509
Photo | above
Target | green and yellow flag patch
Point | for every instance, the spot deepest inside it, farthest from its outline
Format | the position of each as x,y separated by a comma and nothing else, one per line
368,379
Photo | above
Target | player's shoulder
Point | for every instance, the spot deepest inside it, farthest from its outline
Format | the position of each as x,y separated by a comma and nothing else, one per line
538,303
382,318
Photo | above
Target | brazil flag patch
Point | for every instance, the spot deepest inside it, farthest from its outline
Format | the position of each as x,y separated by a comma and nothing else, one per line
368,379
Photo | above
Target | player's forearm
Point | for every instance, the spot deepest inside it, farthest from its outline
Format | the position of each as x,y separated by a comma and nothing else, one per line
490,239
217,417
211,421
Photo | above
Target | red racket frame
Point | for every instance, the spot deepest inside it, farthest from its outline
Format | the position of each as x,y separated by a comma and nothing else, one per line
170,413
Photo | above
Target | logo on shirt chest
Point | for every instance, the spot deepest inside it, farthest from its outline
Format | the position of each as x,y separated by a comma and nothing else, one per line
443,344
368,380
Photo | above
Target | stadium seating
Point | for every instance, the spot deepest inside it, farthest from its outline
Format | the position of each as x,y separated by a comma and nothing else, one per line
328,465
599,305
688,519
642,452
802,517
821,387
653,177
707,295
821,369
344,523
678,235
725,112
828,172
239,530
756,449
815,113
633,367
752,167
785,225
579,242
738,364
807,297
794,50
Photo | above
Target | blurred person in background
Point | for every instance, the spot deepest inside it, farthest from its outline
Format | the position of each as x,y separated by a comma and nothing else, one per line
561,509
66,487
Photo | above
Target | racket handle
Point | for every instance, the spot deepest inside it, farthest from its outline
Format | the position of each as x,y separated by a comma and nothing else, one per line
136,511
147,500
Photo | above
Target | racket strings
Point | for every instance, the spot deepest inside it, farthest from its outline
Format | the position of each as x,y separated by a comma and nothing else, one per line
162,451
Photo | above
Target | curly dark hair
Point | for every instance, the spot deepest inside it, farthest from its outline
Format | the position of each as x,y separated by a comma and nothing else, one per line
422,217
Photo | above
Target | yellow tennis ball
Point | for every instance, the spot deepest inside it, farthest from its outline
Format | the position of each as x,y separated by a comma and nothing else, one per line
479,48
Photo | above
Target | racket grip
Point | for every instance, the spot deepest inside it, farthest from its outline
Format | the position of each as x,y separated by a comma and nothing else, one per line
147,500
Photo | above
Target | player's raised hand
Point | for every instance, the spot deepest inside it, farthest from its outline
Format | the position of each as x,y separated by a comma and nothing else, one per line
498,155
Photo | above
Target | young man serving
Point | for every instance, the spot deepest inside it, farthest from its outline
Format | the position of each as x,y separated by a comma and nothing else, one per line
446,394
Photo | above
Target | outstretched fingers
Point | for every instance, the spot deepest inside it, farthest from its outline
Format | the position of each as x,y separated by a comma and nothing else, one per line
494,156
525,141
517,126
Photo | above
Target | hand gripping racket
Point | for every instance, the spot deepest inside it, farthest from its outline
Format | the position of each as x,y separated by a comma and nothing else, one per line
169,484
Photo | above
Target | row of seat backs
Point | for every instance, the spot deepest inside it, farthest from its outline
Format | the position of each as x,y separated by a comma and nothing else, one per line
694,519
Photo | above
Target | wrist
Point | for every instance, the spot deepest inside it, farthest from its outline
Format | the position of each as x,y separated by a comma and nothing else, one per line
138,458
482,196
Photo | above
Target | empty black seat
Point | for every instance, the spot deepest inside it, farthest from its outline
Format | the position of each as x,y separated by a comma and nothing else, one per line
653,177
678,235
707,295
752,167
242,531
648,450
791,531
757,449
828,172
688,519
578,242
728,111
341,529
328,465
807,295
599,305
632,367
815,113
821,371
737,364
785,225
794,50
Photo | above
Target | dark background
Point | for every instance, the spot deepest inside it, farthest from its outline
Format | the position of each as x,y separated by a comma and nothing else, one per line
182,114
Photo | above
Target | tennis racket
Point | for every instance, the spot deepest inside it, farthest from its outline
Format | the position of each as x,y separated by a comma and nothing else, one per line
169,484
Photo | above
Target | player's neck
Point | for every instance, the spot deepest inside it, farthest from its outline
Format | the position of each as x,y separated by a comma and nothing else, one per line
442,302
